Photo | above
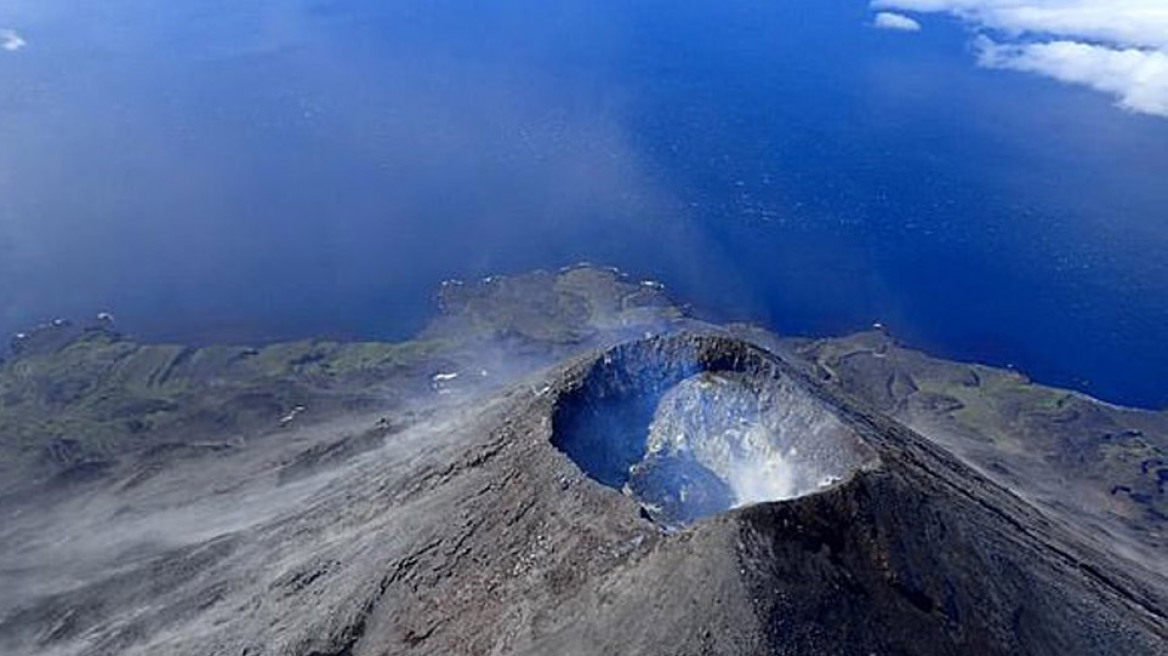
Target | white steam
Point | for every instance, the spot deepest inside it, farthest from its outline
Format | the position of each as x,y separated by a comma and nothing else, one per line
766,444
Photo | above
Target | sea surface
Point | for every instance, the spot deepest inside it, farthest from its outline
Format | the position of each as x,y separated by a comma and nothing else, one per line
215,170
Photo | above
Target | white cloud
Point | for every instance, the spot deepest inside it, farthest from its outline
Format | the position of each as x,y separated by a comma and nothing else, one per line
1119,47
11,41
1120,22
887,20
1138,78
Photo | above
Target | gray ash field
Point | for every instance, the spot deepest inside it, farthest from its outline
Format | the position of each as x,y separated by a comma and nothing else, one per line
566,464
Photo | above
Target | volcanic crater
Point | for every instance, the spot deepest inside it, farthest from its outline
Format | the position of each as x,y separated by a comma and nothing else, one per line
691,428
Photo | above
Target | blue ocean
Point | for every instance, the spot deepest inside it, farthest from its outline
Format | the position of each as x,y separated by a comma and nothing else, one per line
213,170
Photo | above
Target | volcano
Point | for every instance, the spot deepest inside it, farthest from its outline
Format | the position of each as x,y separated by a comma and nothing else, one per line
596,474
